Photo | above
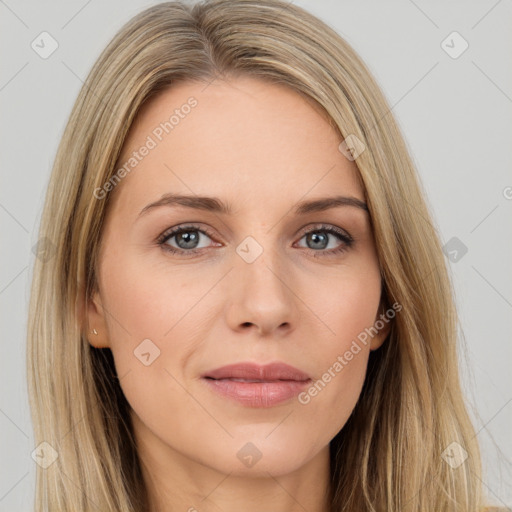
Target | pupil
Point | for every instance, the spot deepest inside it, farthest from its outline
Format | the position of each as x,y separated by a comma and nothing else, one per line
322,238
190,240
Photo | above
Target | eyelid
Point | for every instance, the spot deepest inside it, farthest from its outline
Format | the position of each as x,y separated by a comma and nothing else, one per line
322,226
170,232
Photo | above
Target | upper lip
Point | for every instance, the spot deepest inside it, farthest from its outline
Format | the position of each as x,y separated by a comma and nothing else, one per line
252,371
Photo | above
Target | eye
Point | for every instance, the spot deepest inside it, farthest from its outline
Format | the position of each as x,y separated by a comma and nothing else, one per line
187,239
318,240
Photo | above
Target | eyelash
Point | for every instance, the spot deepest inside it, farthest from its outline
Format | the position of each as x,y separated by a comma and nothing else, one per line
319,228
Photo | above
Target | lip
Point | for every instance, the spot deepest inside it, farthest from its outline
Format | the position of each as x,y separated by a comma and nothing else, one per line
254,385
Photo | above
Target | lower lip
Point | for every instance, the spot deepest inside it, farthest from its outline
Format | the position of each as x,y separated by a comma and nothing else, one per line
257,394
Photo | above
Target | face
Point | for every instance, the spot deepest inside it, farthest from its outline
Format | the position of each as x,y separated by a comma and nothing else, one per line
252,278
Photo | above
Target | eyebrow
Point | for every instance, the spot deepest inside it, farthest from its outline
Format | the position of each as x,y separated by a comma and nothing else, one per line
215,205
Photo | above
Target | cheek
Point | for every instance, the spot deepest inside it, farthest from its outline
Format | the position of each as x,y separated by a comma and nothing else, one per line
346,302
347,309
155,323
145,299
355,308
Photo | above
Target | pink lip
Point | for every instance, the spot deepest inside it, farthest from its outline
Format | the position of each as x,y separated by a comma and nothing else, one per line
264,386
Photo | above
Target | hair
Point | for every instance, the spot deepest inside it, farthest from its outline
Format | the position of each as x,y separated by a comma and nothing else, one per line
388,456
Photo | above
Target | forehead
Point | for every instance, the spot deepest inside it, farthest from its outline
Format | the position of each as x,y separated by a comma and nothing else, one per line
249,141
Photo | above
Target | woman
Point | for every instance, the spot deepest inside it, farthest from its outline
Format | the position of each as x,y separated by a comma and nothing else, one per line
248,305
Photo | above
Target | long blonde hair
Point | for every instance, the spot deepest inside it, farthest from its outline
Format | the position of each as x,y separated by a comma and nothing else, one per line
389,455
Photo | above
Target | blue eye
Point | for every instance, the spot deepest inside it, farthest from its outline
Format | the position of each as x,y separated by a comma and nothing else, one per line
188,237
320,235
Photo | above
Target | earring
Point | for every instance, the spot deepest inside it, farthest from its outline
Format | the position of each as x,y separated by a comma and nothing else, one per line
94,331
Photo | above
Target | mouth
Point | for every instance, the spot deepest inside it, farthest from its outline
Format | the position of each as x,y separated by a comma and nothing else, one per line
254,380
252,372
253,385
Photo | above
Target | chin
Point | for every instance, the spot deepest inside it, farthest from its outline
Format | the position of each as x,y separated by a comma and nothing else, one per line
261,455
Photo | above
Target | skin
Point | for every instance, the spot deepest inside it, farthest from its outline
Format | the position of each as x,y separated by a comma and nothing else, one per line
262,148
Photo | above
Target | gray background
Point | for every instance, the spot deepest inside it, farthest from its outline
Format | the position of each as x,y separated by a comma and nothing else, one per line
454,112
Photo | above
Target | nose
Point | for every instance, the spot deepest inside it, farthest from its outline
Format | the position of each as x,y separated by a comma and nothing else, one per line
261,296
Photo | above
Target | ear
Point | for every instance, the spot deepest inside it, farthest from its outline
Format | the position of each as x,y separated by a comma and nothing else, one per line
96,322
383,325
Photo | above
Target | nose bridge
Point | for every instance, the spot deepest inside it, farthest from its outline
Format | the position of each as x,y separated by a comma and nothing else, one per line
260,264
262,288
